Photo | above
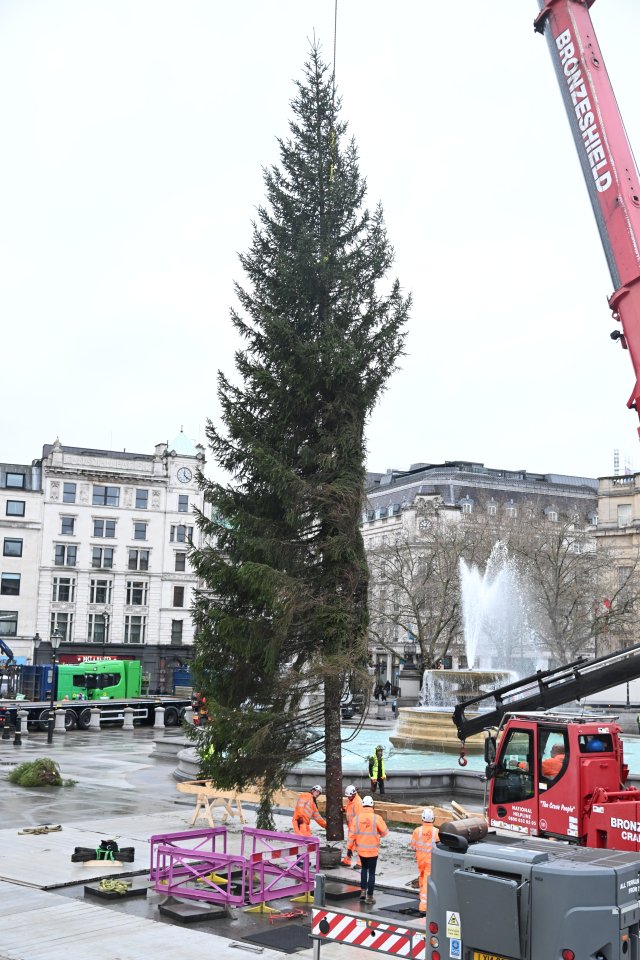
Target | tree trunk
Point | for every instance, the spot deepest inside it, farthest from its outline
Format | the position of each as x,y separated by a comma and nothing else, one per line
333,755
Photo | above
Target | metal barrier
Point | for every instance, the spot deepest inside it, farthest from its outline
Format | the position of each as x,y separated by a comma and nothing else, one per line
363,930
195,865
278,864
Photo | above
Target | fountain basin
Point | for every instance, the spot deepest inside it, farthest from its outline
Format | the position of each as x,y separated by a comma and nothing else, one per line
419,728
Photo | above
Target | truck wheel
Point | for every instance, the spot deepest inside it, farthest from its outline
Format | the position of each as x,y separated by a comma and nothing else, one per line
84,718
43,720
171,718
70,720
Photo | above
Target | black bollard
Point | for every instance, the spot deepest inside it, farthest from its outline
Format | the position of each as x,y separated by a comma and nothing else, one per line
6,728
17,736
50,723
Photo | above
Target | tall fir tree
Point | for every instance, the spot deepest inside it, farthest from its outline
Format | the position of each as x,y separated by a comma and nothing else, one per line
282,617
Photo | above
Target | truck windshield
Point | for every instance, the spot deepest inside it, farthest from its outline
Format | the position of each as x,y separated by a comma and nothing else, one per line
513,779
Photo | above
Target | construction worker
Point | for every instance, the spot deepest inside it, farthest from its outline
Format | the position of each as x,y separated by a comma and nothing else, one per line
351,808
552,765
377,772
422,841
366,829
307,810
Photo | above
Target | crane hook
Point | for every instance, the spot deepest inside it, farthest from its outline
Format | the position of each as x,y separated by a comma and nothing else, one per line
462,759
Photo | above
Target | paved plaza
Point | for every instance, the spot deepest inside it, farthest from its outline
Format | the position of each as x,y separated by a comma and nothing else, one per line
123,793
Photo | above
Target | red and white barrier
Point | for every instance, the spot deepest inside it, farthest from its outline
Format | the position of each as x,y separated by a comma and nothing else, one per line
360,930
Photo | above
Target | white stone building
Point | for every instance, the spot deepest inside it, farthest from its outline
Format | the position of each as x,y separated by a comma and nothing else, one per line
97,541
21,530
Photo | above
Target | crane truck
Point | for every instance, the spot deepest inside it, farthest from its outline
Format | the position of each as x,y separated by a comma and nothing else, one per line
522,895
557,774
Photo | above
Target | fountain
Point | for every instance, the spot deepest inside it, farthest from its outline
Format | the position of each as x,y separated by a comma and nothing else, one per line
497,637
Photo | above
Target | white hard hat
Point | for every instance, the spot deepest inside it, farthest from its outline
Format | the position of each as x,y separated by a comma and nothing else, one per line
317,788
427,815
367,801
350,791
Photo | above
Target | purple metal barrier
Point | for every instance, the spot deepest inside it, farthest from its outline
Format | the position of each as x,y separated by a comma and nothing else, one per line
278,864
195,865
194,840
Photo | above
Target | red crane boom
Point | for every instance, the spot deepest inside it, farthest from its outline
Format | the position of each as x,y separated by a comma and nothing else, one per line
606,158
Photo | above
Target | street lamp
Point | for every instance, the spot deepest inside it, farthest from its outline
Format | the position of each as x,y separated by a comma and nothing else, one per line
37,640
105,631
56,639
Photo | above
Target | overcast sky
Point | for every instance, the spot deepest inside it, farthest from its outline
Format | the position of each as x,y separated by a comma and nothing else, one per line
133,137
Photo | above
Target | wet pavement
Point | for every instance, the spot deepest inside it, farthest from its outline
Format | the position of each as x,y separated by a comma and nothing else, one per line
122,791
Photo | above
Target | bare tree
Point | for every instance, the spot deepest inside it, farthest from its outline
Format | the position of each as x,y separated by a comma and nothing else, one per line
580,599
414,577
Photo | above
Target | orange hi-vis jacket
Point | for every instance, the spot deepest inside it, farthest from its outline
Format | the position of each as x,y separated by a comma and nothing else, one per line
367,828
353,807
422,841
306,811
552,766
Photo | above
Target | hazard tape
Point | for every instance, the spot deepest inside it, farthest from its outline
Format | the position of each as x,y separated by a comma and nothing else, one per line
363,932
276,854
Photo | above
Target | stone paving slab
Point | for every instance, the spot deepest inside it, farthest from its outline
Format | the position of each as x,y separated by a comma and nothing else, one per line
44,860
73,928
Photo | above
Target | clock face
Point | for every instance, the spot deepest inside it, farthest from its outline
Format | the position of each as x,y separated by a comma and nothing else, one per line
184,474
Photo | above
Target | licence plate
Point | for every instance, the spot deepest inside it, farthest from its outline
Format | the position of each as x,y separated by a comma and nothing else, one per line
485,956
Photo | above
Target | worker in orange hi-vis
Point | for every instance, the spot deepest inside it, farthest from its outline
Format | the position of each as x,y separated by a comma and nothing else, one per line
307,810
367,828
422,841
552,766
352,807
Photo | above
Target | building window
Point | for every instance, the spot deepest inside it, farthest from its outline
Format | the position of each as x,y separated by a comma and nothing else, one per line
106,496
100,591
69,493
98,628
624,514
552,516
492,509
181,562
178,596
135,629
142,499
12,548
66,555
467,505
8,623
104,528
67,526
63,623
15,508
137,593
64,589
183,503
176,631
102,557
139,530
180,533
14,480
10,584
138,559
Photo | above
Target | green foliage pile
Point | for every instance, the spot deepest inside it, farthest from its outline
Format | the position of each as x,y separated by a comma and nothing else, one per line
42,772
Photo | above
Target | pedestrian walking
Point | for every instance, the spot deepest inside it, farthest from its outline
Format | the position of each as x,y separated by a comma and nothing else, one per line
638,722
422,841
377,772
307,810
367,829
352,807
